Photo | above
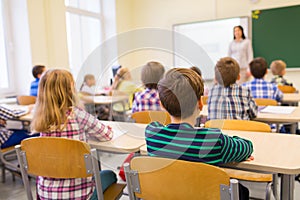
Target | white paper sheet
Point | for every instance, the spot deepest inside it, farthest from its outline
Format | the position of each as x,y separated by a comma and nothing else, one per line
278,109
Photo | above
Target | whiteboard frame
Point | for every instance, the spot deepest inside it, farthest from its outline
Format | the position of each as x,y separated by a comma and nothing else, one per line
248,33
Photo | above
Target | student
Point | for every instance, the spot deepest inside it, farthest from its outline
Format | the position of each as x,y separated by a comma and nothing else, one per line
10,138
37,71
148,99
57,115
123,85
278,70
227,99
88,85
259,87
180,94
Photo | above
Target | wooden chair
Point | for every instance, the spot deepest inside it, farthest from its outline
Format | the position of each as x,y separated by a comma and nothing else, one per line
265,102
43,156
146,117
245,125
204,99
163,178
286,89
26,100
241,125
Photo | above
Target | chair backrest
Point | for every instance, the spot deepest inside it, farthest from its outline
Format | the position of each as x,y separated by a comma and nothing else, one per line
163,178
57,158
265,102
26,100
241,125
286,88
146,117
204,99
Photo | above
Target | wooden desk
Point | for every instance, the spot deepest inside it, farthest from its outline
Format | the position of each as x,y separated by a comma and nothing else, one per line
128,137
103,99
107,100
12,100
294,117
291,98
276,153
27,117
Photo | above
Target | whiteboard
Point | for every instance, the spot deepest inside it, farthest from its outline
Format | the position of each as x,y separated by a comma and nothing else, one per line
202,44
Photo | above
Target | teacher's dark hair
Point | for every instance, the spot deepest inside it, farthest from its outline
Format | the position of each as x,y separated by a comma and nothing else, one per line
242,29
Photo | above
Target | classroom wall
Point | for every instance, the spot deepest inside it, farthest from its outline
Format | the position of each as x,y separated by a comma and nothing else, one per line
134,14
44,40
48,37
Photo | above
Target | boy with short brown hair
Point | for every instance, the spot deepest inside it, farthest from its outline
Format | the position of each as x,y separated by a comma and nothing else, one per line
259,87
227,99
180,94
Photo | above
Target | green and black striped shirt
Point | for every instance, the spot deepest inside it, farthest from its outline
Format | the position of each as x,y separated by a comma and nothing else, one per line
184,142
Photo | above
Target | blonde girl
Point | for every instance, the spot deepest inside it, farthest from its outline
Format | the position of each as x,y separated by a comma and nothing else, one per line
57,115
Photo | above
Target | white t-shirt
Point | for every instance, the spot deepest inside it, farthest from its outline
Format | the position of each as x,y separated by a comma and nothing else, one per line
241,51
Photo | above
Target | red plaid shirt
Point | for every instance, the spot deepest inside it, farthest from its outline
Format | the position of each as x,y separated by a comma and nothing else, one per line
80,126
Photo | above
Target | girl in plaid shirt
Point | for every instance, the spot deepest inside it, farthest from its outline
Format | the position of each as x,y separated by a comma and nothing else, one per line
148,99
57,115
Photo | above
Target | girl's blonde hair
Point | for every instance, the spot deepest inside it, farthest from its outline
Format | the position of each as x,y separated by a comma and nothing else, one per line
56,96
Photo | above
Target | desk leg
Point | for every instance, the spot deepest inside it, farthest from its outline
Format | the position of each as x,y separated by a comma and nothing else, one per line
287,187
294,128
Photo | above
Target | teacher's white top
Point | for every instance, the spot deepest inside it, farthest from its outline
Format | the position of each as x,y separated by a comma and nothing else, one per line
241,51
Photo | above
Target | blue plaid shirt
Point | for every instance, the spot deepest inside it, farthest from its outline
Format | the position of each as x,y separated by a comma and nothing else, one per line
146,100
34,87
232,102
263,89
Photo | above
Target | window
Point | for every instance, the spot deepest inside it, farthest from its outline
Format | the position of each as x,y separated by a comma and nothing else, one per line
6,70
84,21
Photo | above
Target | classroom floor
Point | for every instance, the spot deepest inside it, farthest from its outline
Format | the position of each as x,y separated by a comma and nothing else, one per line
11,190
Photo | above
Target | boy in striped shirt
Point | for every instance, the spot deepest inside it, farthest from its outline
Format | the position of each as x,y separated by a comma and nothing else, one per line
180,94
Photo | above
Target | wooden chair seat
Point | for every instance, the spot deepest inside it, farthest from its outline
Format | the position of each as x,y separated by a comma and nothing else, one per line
248,176
26,100
163,178
146,117
242,125
286,89
265,102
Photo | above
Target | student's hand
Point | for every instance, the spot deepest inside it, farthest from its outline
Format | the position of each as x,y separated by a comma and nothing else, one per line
250,158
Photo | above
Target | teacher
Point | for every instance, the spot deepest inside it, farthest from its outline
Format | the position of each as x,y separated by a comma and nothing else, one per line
241,50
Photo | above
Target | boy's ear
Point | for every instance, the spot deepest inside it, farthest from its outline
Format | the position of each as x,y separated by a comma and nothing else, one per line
162,107
200,104
238,77
283,72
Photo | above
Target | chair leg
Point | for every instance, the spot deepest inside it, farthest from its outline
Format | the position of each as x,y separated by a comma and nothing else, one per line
275,184
269,191
3,174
